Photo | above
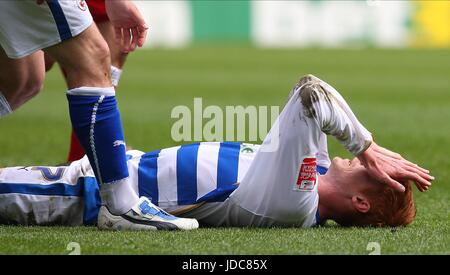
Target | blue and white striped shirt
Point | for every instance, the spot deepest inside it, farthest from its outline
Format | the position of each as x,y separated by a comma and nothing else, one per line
172,177
192,173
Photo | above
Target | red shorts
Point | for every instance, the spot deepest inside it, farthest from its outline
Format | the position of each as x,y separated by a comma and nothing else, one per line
98,10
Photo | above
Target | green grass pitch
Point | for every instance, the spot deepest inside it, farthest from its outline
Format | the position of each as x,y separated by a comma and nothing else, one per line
401,96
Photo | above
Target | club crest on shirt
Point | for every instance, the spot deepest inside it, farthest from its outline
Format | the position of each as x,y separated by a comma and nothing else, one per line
247,148
82,5
307,177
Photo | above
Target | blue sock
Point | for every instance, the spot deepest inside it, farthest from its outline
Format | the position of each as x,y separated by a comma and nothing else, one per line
96,122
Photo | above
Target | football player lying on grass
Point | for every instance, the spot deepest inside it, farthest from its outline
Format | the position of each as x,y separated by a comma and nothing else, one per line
287,181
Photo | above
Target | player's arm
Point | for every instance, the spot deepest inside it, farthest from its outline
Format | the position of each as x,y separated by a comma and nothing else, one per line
335,117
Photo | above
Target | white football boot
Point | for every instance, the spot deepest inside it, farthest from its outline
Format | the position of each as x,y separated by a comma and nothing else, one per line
143,216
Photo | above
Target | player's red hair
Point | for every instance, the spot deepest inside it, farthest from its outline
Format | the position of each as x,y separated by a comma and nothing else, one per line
388,207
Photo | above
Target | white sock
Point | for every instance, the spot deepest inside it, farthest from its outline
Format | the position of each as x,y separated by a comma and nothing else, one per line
118,196
115,75
5,109
92,91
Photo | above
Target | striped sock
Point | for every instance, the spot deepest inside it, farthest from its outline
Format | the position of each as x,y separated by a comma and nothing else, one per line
96,122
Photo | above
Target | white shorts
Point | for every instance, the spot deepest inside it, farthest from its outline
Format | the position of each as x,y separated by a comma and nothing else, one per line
26,27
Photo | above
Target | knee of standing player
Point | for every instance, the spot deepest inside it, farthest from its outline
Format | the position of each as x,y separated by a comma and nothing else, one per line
92,67
26,87
102,54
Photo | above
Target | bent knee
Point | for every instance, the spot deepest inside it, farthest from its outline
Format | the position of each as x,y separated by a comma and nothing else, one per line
99,66
101,53
34,86
24,89
93,65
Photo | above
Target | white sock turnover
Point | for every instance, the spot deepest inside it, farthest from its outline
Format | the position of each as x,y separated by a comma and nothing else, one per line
115,75
119,197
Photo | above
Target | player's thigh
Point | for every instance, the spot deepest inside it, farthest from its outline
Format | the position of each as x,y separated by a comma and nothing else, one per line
85,58
118,57
21,79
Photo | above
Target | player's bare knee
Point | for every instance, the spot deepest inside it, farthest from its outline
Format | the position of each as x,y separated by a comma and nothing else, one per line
25,89
35,84
103,54
99,65
85,58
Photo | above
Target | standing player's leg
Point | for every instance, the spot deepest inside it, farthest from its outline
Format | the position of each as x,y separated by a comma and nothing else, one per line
94,113
64,29
101,18
96,121
20,80
76,150
118,59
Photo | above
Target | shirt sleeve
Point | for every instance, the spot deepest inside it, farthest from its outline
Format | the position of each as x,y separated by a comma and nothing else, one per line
334,117
135,153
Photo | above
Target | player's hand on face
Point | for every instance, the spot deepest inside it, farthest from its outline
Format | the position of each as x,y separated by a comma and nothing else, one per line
414,172
130,27
389,167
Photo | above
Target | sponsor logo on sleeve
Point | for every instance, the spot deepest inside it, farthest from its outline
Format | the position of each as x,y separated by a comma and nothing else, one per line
307,177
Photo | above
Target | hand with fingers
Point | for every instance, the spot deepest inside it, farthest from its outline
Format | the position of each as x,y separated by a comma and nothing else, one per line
390,168
130,27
